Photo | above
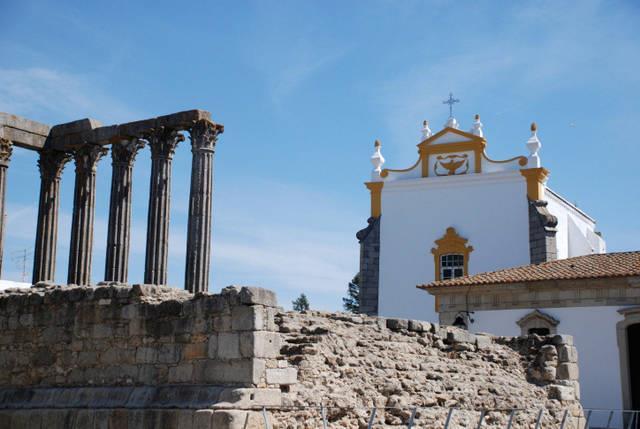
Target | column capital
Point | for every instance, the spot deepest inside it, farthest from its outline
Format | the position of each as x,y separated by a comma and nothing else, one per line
124,151
203,135
6,149
51,163
163,142
87,157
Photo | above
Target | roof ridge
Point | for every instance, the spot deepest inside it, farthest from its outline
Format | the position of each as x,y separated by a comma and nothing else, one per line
597,265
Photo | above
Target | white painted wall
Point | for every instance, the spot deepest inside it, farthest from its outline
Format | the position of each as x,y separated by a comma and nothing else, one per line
594,334
490,210
576,231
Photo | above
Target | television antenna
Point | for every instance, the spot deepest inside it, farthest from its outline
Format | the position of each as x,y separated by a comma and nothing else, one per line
20,258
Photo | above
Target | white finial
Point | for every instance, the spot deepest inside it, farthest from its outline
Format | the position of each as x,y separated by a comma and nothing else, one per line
426,131
534,145
452,123
476,130
377,160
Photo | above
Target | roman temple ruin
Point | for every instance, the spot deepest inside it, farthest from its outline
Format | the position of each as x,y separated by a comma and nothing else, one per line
86,142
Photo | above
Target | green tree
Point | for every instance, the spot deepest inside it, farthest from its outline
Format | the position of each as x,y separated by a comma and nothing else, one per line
301,303
351,302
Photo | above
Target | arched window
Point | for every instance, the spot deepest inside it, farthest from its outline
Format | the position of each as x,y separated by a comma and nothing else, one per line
451,255
538,323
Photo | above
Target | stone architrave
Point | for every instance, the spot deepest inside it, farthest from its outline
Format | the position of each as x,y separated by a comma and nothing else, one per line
51,163
84,195
123,154
204,135
162,143
6,149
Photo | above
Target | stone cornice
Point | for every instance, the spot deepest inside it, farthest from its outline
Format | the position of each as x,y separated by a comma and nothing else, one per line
614,291
463,180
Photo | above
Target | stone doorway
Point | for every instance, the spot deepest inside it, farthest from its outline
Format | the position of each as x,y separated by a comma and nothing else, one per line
629,350
633,342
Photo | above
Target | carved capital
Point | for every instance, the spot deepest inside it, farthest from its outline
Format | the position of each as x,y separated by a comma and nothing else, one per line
204,135
6,149
163,142
124,151
87,157
52,162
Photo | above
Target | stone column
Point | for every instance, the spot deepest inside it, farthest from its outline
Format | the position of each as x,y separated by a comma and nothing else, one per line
6,148
203,142
123,154
163,144
51,164
84,196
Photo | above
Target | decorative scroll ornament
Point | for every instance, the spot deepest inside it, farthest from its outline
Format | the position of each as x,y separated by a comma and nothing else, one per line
204,135
51,163
452,164
377,160
534,145
125,150
6,149
87,157
163,142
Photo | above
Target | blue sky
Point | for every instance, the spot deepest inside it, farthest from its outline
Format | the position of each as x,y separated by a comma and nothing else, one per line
303,89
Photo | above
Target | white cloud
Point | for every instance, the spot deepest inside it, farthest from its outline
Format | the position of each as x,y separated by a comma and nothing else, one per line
57,96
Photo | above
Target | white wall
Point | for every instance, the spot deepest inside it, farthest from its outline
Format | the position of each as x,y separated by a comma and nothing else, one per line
576,232
594,334
490,210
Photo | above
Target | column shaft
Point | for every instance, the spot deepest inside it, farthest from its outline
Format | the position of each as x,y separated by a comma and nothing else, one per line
123,154
84,196
6,148
51,164
163,144
203,140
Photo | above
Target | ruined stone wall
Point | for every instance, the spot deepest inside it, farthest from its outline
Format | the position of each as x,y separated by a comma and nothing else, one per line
141,335
152,357
134,349
350,364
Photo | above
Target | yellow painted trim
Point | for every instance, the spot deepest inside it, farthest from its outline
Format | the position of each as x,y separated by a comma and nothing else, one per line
445,130
451,242
535,178
376,197
522,160
437,303
385,171
476,146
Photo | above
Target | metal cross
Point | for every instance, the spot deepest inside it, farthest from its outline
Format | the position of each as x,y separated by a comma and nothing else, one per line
451,101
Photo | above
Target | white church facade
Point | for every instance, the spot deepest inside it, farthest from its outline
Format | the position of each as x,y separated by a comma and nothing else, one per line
458,212
461,239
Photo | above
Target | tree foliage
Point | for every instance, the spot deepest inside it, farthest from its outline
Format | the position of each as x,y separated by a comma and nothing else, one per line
351,302
301,303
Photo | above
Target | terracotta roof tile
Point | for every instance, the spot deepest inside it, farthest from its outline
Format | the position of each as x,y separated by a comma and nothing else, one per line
623,264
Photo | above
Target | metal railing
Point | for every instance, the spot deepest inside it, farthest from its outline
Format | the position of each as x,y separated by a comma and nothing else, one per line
588,419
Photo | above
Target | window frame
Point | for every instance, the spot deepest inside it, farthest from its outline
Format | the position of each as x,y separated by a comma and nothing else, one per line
537,319
449,244
451,265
